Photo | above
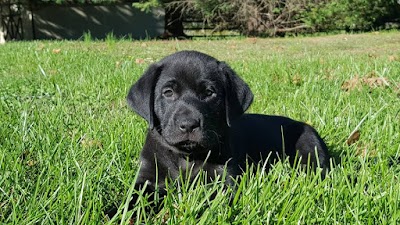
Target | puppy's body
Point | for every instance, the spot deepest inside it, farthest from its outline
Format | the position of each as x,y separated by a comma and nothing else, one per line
195,108
251,138
256,137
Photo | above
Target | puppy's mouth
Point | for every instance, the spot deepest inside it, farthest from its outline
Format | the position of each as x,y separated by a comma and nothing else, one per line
189,147
187,144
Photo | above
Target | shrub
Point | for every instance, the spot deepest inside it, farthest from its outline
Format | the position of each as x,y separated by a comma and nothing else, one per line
328,15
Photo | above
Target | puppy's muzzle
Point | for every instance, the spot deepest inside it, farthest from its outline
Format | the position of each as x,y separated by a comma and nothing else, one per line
185,128
188,125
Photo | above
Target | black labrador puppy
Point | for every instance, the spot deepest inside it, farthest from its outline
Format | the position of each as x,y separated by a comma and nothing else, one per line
194,105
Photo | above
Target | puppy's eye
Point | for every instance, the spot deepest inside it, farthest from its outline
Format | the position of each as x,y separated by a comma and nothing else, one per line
208,93
168,93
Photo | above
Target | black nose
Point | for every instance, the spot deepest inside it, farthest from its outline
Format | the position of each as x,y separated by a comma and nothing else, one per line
188,125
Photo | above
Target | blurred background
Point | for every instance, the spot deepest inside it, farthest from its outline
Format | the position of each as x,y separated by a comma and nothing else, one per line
147,19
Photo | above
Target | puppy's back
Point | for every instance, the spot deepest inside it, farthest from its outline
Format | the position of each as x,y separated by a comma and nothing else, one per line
257,137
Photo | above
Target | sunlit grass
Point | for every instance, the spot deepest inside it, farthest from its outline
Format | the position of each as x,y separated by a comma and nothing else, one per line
69,145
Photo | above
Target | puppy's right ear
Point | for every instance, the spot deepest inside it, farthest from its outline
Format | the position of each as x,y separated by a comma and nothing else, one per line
141,95
238,96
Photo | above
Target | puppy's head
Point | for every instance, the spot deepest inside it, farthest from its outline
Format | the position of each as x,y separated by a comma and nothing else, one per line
190,98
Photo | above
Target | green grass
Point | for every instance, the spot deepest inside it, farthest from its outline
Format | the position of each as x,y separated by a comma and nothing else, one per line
69,145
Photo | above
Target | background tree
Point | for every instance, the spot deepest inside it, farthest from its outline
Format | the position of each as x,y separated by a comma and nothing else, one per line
266,17
356,15
278,17
174,15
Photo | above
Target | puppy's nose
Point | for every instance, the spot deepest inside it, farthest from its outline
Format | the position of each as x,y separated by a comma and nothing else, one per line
188,125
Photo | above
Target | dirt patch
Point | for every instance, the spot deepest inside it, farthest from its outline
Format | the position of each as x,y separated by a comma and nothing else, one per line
393,58
357,83
90,143
362,149
56,51
297,80
365,151
353,138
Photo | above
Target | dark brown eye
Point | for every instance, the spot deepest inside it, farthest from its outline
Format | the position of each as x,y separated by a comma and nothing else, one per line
208,93
168,93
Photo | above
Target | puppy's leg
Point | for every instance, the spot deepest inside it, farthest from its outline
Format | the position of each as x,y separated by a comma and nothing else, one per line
110,213
303,140
140,189
310,144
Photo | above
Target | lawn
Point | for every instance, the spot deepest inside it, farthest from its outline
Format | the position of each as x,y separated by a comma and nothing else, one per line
69,144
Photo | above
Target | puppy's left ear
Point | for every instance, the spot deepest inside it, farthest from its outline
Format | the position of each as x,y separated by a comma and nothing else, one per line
141,95
238,96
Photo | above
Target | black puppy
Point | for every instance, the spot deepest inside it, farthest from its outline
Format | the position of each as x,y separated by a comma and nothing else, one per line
194,105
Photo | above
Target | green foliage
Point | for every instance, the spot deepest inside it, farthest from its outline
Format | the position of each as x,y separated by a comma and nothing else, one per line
350,14
80,1
146,6
69,144
87,36
260,17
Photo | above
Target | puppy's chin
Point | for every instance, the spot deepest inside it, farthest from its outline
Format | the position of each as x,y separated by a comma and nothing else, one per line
190,148
187,146
195,143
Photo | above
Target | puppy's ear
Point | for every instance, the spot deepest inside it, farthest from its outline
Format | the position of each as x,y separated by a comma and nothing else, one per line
141,95
238,96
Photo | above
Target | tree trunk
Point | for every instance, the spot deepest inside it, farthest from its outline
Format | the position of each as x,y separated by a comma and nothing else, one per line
173,24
